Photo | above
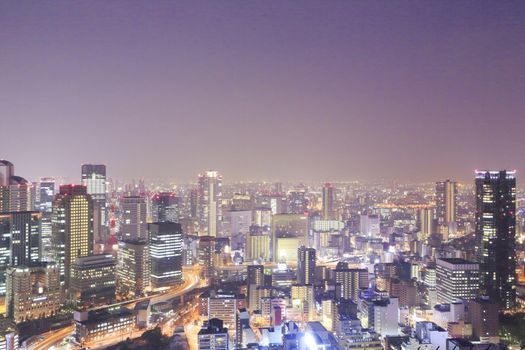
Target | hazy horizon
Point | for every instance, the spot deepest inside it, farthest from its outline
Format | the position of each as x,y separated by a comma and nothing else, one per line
410,92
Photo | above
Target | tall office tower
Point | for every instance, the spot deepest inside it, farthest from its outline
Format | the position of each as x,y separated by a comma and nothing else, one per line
297,201
133,267
257,244
456,280
426,223
446,207
23,229
165,207
496,235
16,193
133,220
289,232
328,202
33,291
351,281
255,280
72,226
45,205
165,245
8,335
209,203
94,178
484,316
7,170
92,281
206,256
306,265
213,336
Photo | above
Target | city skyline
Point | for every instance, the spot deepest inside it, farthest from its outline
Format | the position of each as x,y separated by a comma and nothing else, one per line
351,91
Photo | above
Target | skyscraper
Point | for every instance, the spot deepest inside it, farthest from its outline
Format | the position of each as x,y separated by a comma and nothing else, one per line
133,220
72,224
165,244
351,281
328,202
209,202
446,208
254,280
16,193
133,266
426,223
165,207
23,229
496,234
45,205
94,178
206,255
306,258
19,241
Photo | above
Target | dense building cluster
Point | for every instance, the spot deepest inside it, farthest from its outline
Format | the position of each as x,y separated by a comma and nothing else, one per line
258,265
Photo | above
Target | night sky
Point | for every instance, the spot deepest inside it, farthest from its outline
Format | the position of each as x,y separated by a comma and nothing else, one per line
275,90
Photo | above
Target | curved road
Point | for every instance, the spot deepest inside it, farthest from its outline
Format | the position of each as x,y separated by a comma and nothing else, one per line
191,281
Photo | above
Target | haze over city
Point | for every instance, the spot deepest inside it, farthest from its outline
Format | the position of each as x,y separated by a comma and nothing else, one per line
263,90
262,175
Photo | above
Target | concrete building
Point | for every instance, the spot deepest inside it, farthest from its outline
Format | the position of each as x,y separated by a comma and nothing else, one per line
93,281
33,291
133,267
456,279
72,224
133,217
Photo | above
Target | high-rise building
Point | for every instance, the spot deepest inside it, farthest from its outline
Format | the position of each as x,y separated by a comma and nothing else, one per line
133,221
133,266
426,223
456,280
255,280
16,193
328,202
446,207
33,291
72,225
304,300
45,205
351,282
7,170
209,203
206,256
306,259
213,336
93,281
165,207
496,235
94,178
23,230
165,245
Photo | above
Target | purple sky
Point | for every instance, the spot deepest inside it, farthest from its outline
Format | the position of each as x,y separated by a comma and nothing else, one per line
323,90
